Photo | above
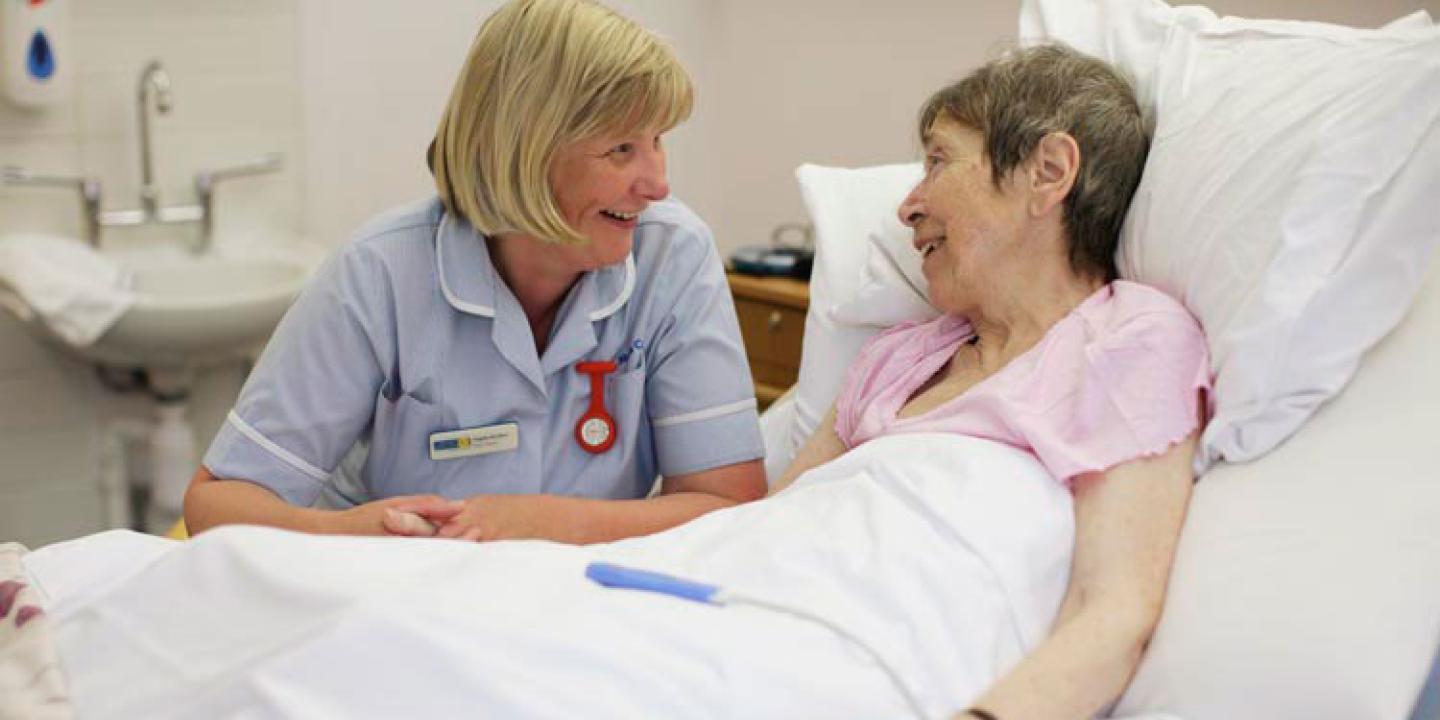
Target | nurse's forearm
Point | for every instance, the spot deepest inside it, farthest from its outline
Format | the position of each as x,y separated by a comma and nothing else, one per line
211,502
682,498
584,521
577,521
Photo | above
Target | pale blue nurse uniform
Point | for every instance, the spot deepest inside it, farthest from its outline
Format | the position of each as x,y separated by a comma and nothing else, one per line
408,330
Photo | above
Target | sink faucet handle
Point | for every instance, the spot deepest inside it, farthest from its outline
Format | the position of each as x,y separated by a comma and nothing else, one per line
16,175
267,163
88,187
205,188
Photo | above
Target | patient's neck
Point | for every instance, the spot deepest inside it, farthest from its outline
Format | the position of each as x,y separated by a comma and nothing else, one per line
1016,312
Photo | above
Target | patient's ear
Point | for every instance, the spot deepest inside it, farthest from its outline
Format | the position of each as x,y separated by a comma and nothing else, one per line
1054,164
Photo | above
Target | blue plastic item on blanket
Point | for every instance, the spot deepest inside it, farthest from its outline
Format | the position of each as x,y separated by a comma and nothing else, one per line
618,576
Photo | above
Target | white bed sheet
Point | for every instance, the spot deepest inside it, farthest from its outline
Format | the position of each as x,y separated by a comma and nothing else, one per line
948,555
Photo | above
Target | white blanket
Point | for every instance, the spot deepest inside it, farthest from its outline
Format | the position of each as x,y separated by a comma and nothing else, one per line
948,555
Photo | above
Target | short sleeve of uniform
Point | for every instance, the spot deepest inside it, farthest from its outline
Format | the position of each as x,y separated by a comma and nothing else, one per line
698,393
1138,393
312,393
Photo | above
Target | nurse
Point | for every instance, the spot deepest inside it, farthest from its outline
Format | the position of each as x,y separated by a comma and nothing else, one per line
526,353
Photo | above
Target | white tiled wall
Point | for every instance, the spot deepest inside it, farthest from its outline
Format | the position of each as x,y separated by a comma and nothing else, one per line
236,82
47,443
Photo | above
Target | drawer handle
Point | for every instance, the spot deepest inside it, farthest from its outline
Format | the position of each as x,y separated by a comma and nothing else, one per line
773,322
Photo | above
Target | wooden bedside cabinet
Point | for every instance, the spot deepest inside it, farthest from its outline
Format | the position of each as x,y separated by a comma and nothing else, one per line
772,322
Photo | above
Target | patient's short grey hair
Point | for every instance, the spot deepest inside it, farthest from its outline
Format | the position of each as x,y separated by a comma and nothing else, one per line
1027,94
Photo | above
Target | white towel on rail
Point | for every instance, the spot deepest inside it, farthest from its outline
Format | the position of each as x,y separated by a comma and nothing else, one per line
76,291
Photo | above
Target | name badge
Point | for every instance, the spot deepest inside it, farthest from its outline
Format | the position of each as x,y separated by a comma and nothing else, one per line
452,444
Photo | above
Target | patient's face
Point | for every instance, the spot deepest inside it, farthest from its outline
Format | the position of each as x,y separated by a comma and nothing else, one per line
965,227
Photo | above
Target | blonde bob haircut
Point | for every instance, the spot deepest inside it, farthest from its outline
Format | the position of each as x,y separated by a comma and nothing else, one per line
542,74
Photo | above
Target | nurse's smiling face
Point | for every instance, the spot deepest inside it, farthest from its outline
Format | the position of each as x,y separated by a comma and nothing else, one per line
601,186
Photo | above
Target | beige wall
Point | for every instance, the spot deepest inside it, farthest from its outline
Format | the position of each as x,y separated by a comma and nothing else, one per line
838,82
1345,12
781,82
377,74
825,81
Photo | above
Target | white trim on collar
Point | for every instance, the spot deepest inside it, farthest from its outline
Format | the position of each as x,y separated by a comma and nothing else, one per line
488,311
450,296
625,292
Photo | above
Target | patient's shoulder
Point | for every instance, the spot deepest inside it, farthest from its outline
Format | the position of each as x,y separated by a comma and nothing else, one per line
1132,298
1131,311
1121,384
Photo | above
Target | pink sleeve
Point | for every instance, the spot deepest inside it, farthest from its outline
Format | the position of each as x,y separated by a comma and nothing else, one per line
861,380
1139,393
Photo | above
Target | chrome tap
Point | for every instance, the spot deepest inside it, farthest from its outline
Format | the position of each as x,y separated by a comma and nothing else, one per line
206,180
152,79
154,83
88,187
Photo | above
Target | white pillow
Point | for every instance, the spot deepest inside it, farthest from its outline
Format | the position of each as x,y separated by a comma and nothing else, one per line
1132,34
1288,199
891,287
846,207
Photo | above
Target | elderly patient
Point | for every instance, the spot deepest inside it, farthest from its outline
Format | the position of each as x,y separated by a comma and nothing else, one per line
1030,164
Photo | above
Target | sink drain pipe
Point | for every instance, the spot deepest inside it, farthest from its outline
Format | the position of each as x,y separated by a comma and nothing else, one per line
121,495
172,463
148,495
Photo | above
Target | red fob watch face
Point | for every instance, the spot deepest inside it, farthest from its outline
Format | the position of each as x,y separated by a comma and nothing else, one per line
596,431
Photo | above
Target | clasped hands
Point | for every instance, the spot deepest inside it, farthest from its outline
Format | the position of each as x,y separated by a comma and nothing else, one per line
478,519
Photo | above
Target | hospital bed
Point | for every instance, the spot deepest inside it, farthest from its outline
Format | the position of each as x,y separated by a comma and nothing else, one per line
1292,597
1305,585
1307,581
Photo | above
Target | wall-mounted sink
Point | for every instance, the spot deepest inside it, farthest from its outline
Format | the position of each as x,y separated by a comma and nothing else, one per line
200,309
193,310
178,311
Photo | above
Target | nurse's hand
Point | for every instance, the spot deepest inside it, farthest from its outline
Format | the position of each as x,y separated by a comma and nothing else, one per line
499,517
407,515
